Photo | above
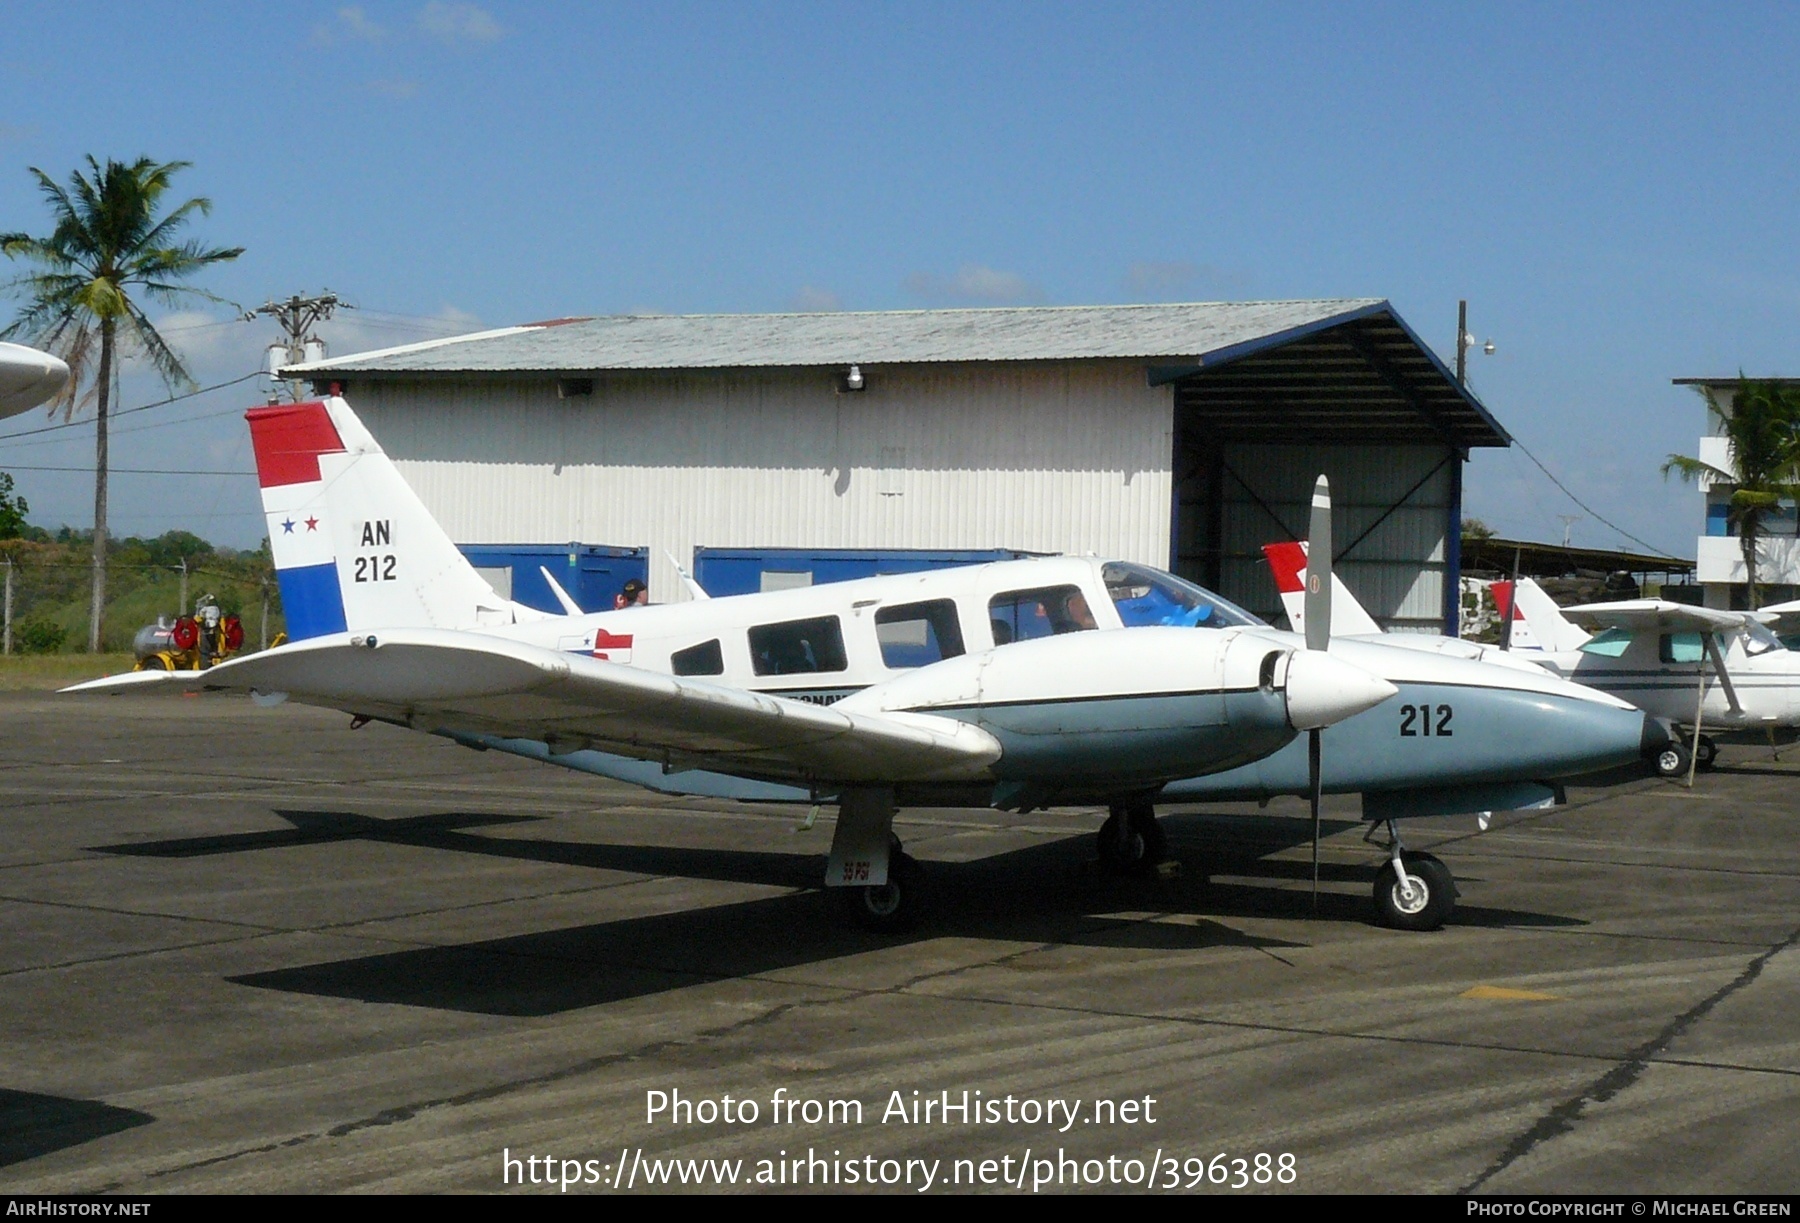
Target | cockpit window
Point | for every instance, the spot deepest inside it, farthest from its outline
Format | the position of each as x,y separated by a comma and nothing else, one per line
1608,644
1681,647
1760,639
1150,596
1019,615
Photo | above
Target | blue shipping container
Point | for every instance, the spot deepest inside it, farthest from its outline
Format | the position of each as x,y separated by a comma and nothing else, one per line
737,571
591,573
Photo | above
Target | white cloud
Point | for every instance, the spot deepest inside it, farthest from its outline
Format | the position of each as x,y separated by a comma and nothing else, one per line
813,299
352,25
974,283
458,22
1162,278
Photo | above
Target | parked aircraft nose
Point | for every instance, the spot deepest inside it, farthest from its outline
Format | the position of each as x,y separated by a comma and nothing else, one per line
1655,738
1322,690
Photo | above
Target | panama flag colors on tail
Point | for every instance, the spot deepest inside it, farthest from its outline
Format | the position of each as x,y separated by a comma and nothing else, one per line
1287,561
354,547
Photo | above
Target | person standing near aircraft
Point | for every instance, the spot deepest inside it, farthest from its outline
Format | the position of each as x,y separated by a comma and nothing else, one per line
633,594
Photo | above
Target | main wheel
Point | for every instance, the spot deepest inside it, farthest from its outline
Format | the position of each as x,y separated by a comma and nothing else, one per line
1425,905
889,907
1708,755
1672,761
1131,842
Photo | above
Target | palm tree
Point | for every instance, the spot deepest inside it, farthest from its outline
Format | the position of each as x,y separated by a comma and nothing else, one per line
108,242
1763,432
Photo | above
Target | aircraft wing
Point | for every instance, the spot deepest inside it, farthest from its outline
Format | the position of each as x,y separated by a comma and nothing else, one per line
473,683
1644,615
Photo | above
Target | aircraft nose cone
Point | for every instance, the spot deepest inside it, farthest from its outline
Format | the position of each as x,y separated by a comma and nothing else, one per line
1322,691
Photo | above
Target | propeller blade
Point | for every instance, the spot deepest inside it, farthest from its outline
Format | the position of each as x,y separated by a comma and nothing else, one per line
1318,569
1312,763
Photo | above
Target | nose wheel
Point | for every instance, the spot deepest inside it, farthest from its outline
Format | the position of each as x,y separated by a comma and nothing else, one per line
1131,842
1414,891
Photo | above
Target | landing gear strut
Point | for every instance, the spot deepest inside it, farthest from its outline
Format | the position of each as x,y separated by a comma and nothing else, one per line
864,848
1131,842
1414,891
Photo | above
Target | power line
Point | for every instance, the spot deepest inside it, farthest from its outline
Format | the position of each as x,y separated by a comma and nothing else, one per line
1598,516
133,471
73,424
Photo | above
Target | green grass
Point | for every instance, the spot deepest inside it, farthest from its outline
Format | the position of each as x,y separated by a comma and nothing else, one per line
51,671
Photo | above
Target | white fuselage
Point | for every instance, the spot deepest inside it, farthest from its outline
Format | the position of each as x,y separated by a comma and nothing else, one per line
1653,673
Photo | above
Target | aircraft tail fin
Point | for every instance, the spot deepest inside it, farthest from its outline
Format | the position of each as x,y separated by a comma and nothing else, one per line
1287,561
354,547
1538,623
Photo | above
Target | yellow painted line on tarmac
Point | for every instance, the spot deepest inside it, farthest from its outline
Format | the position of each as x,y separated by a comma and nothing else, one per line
1499,993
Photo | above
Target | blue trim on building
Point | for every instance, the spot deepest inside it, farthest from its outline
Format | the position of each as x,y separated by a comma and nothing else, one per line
312,600
1453,551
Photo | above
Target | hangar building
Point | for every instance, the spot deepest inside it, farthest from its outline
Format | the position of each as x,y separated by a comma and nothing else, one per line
768,450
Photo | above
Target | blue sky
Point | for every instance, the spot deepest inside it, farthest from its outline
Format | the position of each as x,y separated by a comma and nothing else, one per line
1612,187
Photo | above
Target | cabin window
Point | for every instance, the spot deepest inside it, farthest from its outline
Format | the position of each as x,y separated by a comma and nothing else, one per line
797,647
1609,644
1019,615
702,659
1681,647
918,634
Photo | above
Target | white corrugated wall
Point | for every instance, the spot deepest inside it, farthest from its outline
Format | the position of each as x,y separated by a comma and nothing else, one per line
1063,457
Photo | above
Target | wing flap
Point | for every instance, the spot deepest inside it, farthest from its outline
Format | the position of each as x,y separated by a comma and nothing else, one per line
445,680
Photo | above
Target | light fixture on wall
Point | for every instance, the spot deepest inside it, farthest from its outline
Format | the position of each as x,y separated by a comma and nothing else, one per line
851,380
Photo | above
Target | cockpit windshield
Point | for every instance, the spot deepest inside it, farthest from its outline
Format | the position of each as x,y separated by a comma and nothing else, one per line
1760,639
1150,596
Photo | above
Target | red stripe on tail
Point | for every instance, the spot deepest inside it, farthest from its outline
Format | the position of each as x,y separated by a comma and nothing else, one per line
289,438
1286,560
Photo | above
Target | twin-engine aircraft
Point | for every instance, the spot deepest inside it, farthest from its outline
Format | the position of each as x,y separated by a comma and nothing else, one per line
1015,685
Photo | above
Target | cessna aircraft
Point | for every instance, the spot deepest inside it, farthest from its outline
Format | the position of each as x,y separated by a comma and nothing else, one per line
977,686
27,378
1659,655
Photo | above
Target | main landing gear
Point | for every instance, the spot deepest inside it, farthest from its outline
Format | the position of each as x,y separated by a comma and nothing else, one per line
1674,758
891,907
1413,891
1131,842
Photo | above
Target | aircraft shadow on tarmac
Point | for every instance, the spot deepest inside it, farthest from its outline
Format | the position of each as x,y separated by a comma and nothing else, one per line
32,1125
1046,893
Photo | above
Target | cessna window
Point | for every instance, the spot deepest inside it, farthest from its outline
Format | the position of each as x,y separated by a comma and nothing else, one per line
1148,596
797,647
918,634
1681,647
1019,615
702,659
1609,644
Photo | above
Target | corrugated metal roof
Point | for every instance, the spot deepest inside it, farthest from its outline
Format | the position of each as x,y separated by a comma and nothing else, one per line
1189,331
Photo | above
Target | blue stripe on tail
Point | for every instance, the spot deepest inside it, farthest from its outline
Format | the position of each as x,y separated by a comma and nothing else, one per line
312,601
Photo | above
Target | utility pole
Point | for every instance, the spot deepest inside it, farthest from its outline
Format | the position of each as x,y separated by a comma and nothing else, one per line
8,629
297,317
1462,343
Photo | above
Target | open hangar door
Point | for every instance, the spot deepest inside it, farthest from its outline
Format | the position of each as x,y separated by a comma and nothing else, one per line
1367,404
